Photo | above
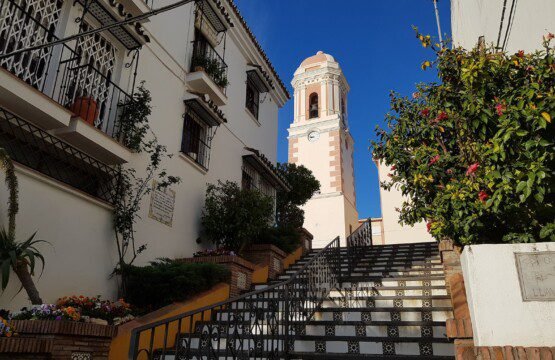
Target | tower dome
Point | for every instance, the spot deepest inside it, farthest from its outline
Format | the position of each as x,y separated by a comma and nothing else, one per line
318,58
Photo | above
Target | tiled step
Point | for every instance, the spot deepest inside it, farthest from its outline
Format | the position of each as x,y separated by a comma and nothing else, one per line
335,356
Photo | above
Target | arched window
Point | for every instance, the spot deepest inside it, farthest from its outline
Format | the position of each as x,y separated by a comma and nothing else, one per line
313,106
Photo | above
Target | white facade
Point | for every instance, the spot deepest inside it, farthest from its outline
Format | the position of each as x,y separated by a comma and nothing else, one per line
319,139
78,225
500,316
523,25
391,200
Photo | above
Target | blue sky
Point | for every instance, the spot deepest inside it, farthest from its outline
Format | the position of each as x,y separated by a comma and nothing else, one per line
376,48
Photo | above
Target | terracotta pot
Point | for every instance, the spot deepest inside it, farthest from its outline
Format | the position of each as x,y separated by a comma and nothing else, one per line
86,108
199,68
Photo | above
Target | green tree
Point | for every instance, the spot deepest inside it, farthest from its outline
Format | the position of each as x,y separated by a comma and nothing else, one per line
21,257
233,217
303,186
474,153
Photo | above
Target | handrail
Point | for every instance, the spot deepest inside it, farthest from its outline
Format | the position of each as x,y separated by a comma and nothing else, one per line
288,301
358,242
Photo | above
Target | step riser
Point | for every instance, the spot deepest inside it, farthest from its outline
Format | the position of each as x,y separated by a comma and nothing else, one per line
364,347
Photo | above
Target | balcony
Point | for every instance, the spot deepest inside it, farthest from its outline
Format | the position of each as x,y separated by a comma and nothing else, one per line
72,92
208,72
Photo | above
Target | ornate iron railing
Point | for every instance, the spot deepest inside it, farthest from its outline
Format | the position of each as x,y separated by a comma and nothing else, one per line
358,242
80,80
258,325
207,58
38,150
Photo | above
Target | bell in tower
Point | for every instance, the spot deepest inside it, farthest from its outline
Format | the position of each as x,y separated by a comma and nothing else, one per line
319,139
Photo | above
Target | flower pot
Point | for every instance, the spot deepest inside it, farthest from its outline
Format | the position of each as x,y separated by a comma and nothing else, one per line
199,68
86,108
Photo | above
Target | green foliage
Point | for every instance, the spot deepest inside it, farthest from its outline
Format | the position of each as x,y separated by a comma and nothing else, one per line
303,186
13,254
134,119
475,152
287,239
232,217
166,281
212,67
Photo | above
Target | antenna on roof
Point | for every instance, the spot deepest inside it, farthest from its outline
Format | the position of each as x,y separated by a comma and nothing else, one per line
438,23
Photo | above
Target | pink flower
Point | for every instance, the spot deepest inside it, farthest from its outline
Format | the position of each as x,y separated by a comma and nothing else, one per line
549,36
393,167
434,160
483,196
449,171
472,169
425,112
500,109
415,95
390,175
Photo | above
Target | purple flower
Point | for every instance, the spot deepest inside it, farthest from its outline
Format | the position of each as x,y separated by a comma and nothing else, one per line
58,318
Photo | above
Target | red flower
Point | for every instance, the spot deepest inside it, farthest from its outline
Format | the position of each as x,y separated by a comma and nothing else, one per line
472,169
483,196
500,109
425,112
393,167
434,160
429,226
549,36
520,54
449,171
442,116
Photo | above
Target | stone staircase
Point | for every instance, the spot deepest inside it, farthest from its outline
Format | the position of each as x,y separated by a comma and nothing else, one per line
392,304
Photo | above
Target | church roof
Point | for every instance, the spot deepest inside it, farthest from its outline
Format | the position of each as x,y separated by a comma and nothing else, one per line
318,58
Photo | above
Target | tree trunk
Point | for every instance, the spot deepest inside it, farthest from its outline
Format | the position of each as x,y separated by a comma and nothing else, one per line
22,272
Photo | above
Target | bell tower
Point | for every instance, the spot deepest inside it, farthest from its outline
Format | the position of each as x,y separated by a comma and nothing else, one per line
319,139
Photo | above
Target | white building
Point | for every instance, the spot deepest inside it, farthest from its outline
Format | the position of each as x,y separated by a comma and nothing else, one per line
510,25
214,94
319,139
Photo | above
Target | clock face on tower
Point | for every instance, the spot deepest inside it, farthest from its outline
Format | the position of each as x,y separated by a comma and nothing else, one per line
313,136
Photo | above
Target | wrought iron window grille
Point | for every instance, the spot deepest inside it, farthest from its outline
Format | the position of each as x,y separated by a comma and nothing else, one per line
252,98
36,149
197,138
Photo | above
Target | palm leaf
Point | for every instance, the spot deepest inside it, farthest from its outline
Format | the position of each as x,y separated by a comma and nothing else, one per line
6,268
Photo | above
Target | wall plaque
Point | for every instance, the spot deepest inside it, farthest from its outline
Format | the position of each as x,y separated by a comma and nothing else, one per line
161,204
536,274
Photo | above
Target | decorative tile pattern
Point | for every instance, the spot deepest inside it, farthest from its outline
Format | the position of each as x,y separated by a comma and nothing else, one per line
81,356
393,331
360,330
330,330
395,316
320,346
398,303
427,331
337,316
366,316
426,349
427,316
388,348
353,347
427,303
370,303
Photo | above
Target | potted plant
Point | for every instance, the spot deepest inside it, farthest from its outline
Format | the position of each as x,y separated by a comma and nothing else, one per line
86,108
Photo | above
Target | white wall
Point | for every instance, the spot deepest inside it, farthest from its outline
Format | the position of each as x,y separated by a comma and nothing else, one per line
471,19
393,232
499,316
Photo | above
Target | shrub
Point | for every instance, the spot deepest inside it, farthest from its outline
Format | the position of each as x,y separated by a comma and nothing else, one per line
232,217
474,153
166,281
287,239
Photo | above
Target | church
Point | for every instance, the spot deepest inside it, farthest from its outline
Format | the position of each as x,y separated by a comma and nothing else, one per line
319,139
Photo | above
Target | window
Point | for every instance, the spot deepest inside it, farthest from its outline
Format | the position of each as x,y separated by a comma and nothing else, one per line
313,106
253,98
195,142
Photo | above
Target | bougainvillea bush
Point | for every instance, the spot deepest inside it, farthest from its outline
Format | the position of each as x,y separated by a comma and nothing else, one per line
474,153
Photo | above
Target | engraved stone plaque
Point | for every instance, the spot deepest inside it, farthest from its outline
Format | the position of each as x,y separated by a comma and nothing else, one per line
536,273
242,280
161,205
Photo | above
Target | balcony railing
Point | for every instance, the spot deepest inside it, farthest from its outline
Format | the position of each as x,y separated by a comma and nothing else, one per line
206,58
38,150
81,81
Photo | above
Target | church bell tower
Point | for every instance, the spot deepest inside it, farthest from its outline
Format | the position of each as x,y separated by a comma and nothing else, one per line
319,139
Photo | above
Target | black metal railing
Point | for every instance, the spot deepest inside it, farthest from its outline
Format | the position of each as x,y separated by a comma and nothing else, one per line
205,57
258,325
357,243
74,79
28,145
196,139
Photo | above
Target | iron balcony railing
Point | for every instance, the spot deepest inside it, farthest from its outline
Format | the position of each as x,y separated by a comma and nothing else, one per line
206,58
258,325
358,242
38,150
79,81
